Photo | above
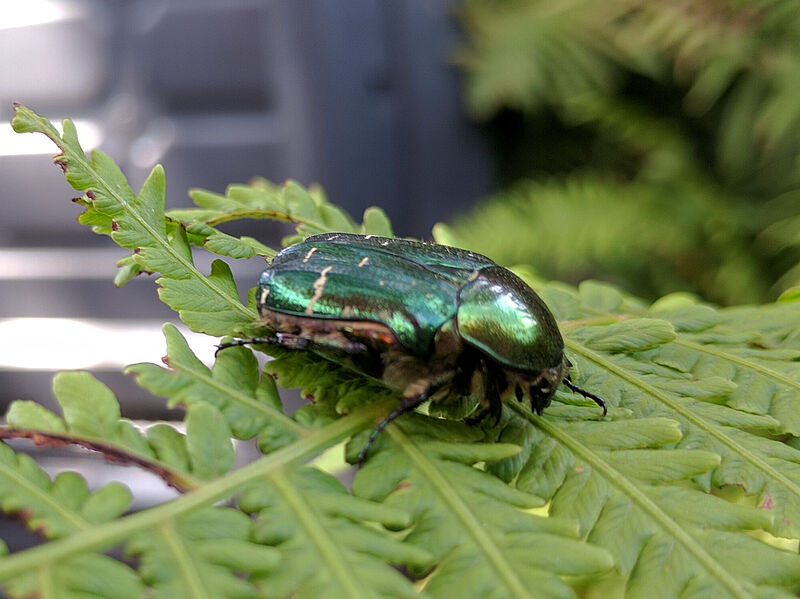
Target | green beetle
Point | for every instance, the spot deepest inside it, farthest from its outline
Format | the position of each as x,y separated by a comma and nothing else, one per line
431,321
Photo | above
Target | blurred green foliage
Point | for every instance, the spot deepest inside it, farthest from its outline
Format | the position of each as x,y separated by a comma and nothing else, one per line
655,144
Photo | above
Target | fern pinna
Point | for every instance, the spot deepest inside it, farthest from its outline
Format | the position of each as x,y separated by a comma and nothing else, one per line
690,486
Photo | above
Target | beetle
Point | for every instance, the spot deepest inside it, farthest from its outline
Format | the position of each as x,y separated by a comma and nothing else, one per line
428,320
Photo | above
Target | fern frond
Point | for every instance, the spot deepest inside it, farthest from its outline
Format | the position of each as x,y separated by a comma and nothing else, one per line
674,537
106,535
684,107
91,419
518,52
476,526
728,381
335,390
205,553
59,507
88,575
307,209
210,303
248,401
324,541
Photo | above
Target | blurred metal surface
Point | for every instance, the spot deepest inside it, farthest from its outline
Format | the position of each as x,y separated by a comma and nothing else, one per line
358,95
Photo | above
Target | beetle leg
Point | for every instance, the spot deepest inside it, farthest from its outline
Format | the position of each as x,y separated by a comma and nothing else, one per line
479,417
290,341
407,404
573,387
247,341
285,340
519,393
494,381
539,399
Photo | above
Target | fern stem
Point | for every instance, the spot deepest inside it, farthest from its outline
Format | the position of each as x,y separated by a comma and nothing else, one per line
182,481
567,326
264,214
696,420
186,569
738,360
46,584
627,488
103,536
329,551
464,514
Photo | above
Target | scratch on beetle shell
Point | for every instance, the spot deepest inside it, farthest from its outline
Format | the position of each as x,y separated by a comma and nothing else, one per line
264,294
319,287
363,262
309,254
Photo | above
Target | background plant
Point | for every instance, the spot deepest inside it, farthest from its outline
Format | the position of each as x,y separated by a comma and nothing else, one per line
649,143
690,487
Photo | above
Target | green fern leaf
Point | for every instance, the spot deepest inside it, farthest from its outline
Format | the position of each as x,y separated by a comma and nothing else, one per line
208,553
474,524
91,419
762,467
165,521
208,441
249,402
519,52
208,304
623,500
54,508
307,209
335,390
317,527
89,575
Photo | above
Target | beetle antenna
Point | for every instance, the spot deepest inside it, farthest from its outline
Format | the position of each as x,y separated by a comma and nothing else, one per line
573,387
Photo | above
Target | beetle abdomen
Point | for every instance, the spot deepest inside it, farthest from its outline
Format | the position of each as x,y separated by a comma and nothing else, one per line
326,280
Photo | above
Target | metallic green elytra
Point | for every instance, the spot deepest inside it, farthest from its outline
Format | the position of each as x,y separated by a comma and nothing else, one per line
431,321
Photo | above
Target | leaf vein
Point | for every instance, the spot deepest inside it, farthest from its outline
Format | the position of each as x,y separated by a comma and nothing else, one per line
329,551
616,478
463,513
698,421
